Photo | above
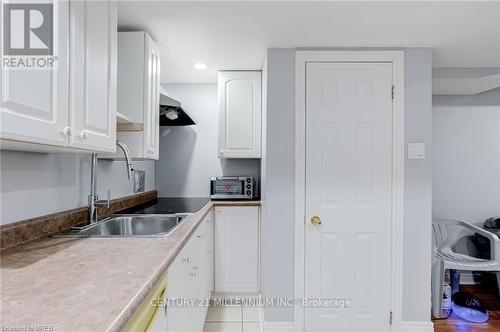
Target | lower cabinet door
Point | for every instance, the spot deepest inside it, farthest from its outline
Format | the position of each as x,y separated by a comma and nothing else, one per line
187,286
159,322
237,249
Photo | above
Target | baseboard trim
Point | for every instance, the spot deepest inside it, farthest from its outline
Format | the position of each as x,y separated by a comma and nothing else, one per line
466,278
414,326
405,326
278,326
274,326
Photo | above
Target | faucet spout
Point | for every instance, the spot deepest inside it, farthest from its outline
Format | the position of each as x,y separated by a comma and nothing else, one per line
94,202
128,159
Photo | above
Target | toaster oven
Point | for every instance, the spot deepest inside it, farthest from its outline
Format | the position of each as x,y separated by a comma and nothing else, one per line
232,187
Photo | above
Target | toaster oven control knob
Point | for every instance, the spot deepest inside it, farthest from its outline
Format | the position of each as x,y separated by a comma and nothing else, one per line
248,186
249,192
249,180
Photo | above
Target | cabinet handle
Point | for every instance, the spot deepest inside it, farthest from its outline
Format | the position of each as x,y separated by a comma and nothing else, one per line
84,134
221,152
66,131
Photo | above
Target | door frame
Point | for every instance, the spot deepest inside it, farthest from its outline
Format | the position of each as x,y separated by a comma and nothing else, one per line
396,57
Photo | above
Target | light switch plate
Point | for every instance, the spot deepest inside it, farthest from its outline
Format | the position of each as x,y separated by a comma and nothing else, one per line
139,179
416,150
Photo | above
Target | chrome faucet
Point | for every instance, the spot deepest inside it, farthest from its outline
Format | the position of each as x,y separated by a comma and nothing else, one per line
94,201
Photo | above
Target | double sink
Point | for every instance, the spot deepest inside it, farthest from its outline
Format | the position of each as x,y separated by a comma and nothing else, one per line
143,225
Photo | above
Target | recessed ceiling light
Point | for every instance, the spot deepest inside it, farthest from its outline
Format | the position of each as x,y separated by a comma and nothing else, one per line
200,66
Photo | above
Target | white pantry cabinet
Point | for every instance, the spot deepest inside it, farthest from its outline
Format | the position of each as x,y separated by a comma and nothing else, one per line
237,249
240,113
190,277
139,93
72,107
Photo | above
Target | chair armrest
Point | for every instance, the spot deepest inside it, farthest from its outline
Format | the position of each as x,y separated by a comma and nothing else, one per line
494,240
491,236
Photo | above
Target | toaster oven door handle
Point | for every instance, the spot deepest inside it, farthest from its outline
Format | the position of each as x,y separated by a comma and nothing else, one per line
228,178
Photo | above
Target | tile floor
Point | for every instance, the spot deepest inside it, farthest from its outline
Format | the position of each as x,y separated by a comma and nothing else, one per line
232,319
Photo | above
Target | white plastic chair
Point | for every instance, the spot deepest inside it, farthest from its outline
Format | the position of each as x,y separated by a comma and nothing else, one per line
445,258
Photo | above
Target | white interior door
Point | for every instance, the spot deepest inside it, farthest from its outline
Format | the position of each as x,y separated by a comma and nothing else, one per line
348,185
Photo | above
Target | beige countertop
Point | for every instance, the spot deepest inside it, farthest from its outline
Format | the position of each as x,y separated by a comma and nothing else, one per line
87,284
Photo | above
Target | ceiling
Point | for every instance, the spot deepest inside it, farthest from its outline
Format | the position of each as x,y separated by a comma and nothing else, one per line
235,35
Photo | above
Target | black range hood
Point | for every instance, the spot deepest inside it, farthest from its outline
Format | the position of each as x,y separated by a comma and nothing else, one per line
172,114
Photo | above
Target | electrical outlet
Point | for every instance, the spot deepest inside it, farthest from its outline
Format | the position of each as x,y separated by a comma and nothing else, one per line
139,179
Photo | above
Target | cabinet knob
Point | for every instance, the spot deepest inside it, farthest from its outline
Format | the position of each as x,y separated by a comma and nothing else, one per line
221,152
84,134
150,151
66,131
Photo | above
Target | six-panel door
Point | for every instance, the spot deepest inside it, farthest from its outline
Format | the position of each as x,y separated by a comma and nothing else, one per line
349,189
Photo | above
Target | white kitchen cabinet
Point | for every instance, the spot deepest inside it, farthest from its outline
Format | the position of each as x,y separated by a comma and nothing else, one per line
240,113
159,323
93,36
139,94
35,102
189,277
237,249
70,108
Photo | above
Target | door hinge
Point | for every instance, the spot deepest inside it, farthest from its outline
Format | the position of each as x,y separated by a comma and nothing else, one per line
390,318
392,91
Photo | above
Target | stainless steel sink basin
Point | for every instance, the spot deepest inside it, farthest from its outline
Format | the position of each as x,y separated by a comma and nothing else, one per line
131,226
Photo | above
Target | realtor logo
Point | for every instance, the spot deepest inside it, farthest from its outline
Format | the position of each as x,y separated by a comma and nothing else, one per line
28,29
28,36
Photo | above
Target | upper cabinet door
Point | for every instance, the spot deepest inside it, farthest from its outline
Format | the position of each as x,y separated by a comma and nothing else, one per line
240,114
152,100
34,102
93,33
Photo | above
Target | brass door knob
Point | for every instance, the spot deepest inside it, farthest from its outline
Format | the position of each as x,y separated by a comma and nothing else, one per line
315,220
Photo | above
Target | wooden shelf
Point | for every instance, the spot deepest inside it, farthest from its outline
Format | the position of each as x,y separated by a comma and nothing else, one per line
120,127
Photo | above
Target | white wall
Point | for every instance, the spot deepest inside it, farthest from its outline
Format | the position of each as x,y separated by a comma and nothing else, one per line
35,184
418,187
278,184
466,166
278,167
188,155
